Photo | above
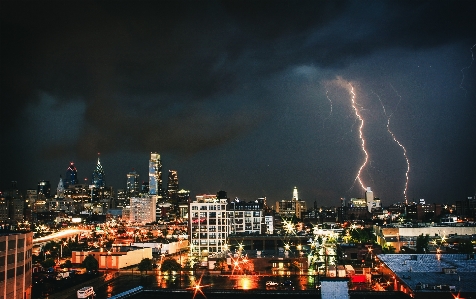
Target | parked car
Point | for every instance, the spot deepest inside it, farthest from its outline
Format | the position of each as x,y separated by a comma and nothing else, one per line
271,283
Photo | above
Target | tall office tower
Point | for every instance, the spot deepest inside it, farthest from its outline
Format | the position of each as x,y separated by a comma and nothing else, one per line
288,208
132,187
60,189
155,175
295,194
44,189
369,199
71,177
98,178
144,189
121,198
172,186
31,196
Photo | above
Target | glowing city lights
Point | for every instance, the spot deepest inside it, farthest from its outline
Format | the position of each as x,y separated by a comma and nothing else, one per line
197,288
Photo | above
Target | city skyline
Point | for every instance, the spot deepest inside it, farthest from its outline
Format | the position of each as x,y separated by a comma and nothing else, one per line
252,98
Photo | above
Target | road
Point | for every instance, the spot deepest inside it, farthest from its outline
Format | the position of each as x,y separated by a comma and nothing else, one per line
58,235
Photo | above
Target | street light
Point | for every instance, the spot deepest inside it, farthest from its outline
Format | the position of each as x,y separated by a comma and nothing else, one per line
62,244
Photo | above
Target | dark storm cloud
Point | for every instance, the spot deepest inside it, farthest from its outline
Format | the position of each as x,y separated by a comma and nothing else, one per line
185,76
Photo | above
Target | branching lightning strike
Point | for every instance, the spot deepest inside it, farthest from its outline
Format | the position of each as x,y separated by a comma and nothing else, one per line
361,136
396,140
330,103
465,68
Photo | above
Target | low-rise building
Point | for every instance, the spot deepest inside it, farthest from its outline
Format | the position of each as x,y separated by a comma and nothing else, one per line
115,258
431,275
398,236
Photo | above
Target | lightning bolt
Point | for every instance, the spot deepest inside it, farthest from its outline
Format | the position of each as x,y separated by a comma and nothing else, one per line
361,136
330,112
465,68
396,140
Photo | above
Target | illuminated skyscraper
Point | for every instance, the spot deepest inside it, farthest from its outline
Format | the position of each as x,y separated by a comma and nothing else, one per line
288,208
44,189
155,175
132,184
98,178
295,194
71,177
172,186
60,189
372,203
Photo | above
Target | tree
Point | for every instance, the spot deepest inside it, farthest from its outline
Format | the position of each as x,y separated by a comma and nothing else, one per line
48,263
170,264
422,243
221,264
67,264
388,249
145,265
294,266
90,263
465,246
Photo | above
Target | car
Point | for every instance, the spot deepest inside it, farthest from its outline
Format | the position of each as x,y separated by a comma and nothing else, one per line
271,283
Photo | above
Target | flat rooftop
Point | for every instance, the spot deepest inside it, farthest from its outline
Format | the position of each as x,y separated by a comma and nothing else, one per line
416,270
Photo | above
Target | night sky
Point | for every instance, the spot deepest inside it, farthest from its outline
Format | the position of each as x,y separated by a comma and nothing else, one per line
250,97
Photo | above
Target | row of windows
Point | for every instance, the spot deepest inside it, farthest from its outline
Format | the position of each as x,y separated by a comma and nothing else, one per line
11,272
219,228
209,207
245,214
211,236
207,215
20,257
210,221
246,207
207,242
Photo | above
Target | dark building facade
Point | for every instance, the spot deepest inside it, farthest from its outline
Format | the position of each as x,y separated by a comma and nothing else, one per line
15,264
71,177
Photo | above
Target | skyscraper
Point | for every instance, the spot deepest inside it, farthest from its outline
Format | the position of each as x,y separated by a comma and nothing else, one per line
288,208
369,199
295,194
71,177
98,178
172,186
132,188
44,189
155,175
60,189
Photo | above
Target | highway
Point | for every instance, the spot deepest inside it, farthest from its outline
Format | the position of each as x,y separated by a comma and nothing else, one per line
58,235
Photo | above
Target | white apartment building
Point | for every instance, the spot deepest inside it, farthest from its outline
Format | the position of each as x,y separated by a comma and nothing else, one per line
208,225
